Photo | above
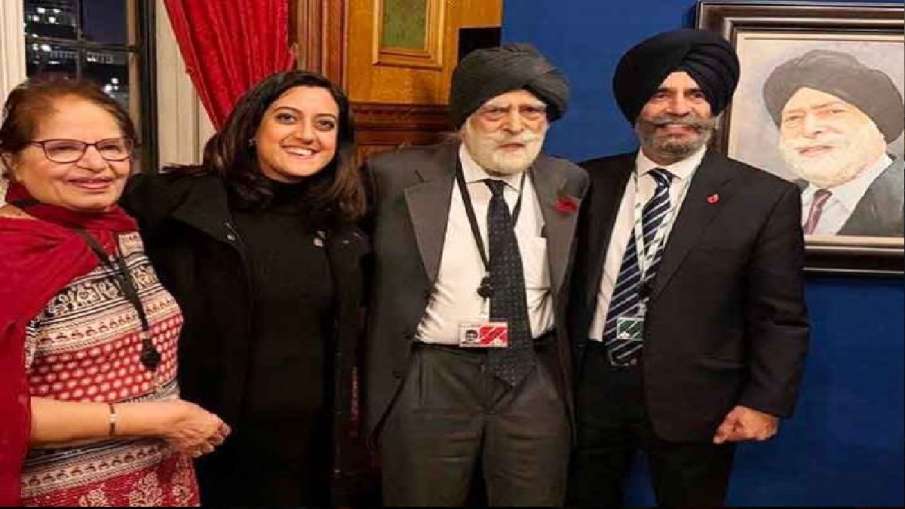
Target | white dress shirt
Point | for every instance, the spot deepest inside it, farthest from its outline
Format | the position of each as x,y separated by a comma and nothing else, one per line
843,200
682,172
454,299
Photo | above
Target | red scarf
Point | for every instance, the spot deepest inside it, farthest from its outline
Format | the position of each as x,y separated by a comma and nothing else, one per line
37,260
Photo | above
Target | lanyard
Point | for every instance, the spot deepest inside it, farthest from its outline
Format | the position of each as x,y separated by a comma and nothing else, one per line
149,357
647,256
485,290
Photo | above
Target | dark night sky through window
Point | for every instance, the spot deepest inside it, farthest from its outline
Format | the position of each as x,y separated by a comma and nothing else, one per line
105,21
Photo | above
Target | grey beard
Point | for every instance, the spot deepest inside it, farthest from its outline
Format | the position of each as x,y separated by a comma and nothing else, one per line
668,149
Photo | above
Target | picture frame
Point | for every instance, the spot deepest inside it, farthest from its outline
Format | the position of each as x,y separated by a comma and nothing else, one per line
768,34
409,33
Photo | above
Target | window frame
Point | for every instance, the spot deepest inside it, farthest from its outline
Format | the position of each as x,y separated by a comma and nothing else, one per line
142,47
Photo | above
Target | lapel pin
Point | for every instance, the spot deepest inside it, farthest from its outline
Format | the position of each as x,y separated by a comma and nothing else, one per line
566,204
713,198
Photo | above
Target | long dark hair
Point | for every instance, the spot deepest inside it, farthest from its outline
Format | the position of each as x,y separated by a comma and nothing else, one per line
334,196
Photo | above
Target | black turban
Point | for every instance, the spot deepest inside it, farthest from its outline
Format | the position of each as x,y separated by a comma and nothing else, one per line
705,56
842,75
487,73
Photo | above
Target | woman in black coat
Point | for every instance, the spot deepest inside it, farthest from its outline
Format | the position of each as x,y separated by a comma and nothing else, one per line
260,249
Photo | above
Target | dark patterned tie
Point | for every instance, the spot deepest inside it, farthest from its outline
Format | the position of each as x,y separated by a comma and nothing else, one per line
627,292
816,210
508,301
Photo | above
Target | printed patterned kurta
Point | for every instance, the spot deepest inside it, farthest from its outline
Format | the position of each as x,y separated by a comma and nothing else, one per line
85,346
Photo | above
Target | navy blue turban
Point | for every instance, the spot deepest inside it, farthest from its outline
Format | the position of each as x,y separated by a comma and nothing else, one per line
705,56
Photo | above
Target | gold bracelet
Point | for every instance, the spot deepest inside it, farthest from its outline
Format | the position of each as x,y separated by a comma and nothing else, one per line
112,419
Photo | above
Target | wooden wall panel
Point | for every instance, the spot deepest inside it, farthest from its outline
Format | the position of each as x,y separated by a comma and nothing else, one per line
376,83
393,105
380,127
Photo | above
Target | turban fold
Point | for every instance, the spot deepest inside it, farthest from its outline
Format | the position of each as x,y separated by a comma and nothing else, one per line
486,73
842,75
705,56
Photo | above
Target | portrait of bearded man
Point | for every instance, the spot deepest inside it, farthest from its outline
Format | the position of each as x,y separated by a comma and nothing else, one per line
836,117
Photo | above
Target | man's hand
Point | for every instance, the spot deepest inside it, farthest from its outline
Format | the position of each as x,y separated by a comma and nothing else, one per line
743,423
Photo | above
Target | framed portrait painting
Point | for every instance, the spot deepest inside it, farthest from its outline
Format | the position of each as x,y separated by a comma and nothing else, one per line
820,103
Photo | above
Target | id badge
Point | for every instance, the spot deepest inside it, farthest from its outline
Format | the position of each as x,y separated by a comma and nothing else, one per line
484,334
630,328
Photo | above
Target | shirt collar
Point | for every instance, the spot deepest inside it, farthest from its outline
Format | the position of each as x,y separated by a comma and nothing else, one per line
850,193
474,173
679,169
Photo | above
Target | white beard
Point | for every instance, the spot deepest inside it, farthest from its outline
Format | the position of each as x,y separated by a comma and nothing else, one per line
484,148
849,157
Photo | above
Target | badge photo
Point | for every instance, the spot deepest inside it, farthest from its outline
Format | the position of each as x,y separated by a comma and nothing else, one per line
484,335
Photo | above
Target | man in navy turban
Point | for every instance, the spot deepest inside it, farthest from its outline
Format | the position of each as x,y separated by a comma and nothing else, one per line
687,300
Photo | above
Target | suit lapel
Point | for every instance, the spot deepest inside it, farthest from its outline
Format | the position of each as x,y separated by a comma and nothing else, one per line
604,208
879,204
559,226
428,207
695,215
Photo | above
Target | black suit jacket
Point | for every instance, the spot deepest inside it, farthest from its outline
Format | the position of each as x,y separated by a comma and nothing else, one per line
411,190
881,211
727,322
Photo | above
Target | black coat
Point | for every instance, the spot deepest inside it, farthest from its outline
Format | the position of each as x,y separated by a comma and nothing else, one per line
726,323
199,257
881,211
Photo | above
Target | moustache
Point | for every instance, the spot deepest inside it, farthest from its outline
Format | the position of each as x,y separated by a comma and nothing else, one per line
522,139
692,121
799,146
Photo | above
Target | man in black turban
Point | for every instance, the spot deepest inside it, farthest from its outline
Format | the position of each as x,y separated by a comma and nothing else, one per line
687,291
487,73
836,117
468,364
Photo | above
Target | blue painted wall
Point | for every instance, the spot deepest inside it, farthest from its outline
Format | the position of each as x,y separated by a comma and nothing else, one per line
845,445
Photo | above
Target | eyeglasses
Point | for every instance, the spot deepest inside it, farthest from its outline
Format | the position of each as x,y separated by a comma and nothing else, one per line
70,151
528,112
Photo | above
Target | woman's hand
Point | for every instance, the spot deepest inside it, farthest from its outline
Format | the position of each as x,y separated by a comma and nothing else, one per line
192,429
187,427
212,443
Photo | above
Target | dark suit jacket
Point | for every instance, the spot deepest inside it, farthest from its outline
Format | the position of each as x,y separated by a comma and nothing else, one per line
881,211
411,190
727,322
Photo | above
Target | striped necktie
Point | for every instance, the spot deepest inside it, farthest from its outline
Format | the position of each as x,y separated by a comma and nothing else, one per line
627,292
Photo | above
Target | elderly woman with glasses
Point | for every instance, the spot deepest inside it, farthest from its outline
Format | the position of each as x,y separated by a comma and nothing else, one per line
90,407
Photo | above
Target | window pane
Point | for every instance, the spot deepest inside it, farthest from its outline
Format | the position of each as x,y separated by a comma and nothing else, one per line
45,57
110,70
106,21
51,18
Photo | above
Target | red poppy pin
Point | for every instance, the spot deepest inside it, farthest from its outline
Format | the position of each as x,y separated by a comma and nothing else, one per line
713,198
566,204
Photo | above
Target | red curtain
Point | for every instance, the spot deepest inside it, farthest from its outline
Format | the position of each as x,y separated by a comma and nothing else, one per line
229,46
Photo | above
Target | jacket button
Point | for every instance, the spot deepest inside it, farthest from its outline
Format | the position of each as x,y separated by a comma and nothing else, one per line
230,237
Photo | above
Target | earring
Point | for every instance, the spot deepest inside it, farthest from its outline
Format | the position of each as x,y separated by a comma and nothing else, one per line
251,142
